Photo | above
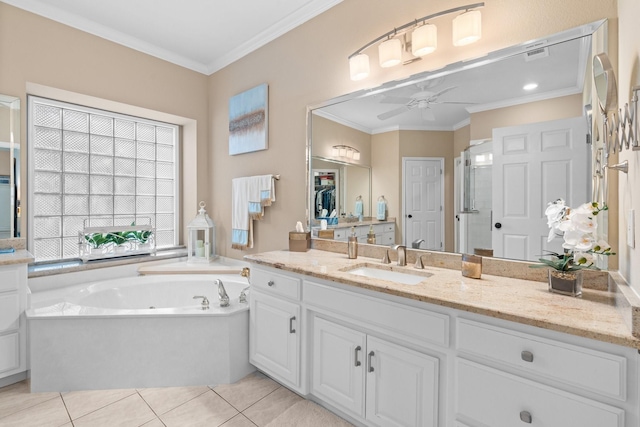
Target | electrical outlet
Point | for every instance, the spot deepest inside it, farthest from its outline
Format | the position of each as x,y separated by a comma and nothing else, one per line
631,229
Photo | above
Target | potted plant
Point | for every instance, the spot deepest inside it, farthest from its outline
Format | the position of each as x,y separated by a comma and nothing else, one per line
577,227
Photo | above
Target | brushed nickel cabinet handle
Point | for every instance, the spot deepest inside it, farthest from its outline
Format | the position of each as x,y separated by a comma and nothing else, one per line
270,283
525,417
371,354
527,356
291,330
357,362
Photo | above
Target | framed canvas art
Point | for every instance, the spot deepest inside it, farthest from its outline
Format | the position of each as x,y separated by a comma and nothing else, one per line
249,120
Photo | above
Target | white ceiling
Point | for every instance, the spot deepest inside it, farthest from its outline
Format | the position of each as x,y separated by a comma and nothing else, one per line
202,35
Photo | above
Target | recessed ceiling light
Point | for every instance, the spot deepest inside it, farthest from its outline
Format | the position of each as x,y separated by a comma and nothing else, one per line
530,86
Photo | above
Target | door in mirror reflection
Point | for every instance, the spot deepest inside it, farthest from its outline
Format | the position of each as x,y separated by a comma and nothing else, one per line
423,184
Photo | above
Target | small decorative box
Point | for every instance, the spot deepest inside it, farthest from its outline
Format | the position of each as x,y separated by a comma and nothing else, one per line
299,241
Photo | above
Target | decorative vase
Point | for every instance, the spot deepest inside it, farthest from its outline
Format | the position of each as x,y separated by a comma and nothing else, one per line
565,282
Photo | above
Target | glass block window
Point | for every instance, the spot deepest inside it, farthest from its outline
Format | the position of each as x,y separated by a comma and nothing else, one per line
98,168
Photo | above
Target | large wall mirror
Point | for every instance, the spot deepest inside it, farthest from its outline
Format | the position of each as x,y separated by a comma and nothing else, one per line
9,167
512,129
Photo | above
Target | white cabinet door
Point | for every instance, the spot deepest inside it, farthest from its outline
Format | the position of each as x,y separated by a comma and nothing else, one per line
402,386
338,365
274,339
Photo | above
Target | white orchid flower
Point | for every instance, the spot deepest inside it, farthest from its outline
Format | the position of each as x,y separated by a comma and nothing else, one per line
583,222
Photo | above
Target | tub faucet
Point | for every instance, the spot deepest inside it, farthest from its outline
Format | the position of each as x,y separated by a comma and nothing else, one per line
416,243
402,254
205,301
222,293
243,295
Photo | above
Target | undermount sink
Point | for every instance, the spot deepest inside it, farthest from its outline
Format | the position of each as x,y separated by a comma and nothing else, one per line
390,273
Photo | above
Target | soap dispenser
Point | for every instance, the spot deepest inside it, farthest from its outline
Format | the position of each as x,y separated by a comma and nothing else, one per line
352,244
371,236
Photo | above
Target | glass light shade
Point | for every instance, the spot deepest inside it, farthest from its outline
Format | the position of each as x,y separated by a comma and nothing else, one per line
342,152
467,28
349,153
390,53
359,66
424,40
356,155
334,152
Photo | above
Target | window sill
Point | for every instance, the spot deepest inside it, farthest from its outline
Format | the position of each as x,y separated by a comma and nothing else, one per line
72,266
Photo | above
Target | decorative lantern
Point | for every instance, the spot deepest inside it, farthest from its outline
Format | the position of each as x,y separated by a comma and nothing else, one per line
202,237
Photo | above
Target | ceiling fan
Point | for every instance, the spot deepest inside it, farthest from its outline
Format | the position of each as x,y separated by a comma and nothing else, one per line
422,100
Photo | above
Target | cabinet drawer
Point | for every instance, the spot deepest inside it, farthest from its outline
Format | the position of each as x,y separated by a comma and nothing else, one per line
493,398
340,234
275,283
9,352
387,239
410,323
579,367
389,227
8,279
9,311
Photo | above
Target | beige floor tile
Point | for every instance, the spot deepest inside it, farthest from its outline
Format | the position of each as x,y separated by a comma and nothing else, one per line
208,409
154,423
80,403
50,413
165,399
247,391
267,409
130,411
16,397
308,414
239,421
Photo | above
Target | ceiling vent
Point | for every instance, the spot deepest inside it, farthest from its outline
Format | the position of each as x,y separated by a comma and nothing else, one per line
541,52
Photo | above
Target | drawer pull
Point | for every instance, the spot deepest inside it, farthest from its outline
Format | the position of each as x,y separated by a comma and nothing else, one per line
527,356
270,283
526,417
371,354
291,330
357,362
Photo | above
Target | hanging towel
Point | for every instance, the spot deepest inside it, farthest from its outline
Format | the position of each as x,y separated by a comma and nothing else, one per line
359,208
249,195
382,210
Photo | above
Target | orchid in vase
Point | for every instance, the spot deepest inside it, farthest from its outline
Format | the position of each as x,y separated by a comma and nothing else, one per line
577,227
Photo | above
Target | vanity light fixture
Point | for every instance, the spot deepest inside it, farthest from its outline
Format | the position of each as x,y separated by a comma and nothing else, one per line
345,151
423,39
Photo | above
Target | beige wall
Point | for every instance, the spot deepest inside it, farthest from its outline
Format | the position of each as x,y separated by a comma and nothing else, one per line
386,161
461,138
483,123
5,165
327,133
628,194
43,57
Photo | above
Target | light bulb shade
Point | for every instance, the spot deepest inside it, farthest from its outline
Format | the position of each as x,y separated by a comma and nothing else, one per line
467,28
359,66
334,152
342,151
424,40
356,155
390,53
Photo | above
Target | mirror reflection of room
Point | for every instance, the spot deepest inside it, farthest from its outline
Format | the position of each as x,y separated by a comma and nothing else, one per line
9,167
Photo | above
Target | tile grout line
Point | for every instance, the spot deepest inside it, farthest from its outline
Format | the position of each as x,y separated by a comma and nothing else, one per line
66,409
152,410
95,410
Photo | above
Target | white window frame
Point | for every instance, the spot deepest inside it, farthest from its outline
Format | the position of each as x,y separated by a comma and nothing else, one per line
32,99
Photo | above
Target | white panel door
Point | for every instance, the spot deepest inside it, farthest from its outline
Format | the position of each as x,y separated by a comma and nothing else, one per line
274,341
338,365
533,165
402,386
423,200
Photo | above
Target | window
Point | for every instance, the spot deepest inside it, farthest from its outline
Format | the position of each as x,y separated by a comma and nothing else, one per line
98,168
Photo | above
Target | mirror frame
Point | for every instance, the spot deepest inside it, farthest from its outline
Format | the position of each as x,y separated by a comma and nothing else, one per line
498,55
13,105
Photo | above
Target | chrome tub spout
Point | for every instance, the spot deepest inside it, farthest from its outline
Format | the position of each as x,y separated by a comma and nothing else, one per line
222,293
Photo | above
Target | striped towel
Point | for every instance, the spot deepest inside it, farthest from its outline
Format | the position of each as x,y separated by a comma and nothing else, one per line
249,196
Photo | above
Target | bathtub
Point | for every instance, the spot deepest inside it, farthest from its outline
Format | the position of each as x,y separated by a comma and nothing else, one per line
138,332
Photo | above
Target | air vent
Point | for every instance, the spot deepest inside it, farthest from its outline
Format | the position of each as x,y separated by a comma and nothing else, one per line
534,54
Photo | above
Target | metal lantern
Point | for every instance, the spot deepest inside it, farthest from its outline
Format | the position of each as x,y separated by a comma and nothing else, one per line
202,237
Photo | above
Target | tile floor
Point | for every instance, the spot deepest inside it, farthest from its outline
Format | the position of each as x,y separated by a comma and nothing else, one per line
256,400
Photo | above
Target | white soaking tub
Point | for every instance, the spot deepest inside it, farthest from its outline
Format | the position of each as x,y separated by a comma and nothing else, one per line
136,332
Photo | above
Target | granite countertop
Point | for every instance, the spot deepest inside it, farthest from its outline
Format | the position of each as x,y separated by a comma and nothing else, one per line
594,315
20,256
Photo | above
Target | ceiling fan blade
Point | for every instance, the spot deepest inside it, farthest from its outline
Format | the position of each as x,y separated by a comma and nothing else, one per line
443,91
452,102
395,112
395,100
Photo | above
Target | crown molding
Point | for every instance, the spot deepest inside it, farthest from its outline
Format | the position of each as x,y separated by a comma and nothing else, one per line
340,120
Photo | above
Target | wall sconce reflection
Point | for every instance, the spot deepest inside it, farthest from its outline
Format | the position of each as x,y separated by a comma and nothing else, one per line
345,151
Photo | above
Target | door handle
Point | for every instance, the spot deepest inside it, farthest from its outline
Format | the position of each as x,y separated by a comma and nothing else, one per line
497,225
525,417
291,330
409,216
371,354
357,362
527,356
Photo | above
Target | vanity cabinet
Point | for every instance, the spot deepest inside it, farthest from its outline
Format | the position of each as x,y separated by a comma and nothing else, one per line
505,377
13,297
275,326
374,379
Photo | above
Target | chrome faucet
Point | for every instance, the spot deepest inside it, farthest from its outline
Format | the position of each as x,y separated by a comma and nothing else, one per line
416,243
222,293
243,294
402,254
205,301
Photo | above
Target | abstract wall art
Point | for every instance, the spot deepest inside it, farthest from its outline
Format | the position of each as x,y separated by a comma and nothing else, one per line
249,120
